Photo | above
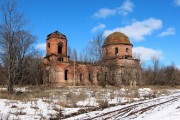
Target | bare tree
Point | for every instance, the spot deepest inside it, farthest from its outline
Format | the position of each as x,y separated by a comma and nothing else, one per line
127,75
74,55
112,72
32,70
156,68
92,55
69,51
85,56
168,75
95,48
15,43
81,57
162,75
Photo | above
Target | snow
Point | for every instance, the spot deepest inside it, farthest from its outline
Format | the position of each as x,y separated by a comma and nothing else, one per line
17,89
88,102
68,111
170,111
21,89
143,92
29,110
125,100
163,109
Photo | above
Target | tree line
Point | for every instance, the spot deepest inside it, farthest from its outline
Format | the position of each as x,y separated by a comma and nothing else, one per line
157,74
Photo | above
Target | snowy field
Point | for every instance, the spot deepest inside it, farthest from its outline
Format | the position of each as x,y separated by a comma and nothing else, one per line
161,108
75,103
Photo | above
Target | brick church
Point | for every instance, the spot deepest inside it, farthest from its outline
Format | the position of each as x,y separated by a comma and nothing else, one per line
117,66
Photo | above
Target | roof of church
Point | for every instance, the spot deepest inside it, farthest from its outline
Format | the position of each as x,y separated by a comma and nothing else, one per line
56,34
116,38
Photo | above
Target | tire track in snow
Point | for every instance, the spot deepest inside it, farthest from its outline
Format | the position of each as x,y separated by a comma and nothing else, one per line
135,109
129,110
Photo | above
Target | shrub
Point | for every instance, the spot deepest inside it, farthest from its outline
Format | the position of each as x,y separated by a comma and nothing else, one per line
103,103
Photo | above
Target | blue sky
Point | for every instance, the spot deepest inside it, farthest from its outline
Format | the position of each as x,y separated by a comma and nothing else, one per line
153,26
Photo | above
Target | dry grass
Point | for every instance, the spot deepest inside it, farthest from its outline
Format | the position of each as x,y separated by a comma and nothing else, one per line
13,106
103,103
19,113
70,95
160,87
73,98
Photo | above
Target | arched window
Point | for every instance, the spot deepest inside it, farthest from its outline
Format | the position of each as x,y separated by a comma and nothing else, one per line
66,75
81,77
127,51
48,45
90,77
97,76
116,51
60,48
60,59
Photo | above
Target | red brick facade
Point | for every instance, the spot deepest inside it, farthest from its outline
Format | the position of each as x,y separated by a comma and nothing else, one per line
116,49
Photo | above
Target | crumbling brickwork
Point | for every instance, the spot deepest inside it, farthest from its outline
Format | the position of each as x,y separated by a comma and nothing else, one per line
116,67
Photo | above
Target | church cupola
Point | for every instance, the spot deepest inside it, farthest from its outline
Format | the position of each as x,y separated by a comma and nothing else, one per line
56,47
116,45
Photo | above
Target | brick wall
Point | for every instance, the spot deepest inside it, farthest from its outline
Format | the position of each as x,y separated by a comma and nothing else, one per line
121,50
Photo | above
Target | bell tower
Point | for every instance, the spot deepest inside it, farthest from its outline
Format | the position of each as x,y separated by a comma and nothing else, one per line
56,47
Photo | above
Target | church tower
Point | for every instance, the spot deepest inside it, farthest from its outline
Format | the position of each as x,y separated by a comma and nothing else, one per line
56,47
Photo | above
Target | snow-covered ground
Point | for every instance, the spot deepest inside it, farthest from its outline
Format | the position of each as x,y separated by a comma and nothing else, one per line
87,103
161,108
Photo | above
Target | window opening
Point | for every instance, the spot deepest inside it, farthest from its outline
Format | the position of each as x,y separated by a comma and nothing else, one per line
60,59
116,51
60,48
97,76
127,51
48,45
66,75
81,77
89,77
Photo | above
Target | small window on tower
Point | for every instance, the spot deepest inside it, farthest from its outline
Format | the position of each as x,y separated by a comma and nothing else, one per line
48,45
127,51
116,51
66,75
60,48
60,59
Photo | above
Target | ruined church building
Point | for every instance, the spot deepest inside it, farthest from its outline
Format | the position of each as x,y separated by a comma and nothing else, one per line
117,66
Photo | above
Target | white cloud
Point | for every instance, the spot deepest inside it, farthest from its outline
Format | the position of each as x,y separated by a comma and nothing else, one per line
177,2
104,12
97,28
123,10
168,31
41,46
138,29
147,53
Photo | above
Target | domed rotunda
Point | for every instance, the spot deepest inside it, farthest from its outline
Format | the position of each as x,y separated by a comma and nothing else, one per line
117,44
